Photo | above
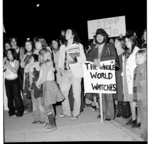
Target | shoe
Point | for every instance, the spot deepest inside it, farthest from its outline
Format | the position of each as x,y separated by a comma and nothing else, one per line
35,122
106,119
129,122
50,128
94,108
25,112
13,115
41,122
81,110
52,123
45,124
137,125
18,115
134,122
74,117
99,116
88,105
62,115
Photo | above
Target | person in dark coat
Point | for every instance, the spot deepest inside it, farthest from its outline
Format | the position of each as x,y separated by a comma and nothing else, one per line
120,48
104,51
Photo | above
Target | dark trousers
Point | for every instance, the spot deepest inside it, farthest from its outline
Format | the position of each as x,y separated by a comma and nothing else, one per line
20,77
26,101
142,108
14,97
108,106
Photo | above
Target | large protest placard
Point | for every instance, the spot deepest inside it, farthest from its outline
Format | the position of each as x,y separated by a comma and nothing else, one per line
99,80
113,26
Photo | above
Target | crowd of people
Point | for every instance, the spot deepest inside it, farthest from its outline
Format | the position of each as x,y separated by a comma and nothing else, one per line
38,75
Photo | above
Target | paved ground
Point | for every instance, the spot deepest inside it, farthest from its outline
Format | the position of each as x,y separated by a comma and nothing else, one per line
86,128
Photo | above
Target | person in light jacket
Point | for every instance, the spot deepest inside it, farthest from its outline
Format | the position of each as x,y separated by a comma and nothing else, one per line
70,64
129,64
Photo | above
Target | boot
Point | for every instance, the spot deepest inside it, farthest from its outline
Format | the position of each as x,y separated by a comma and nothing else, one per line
52,124
119,109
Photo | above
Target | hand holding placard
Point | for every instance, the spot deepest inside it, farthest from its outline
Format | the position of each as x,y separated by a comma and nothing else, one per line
97,62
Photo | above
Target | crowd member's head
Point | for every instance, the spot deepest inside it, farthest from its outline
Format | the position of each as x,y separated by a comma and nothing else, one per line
63,33
120,43
13,41
11,55
144,36
55,44
111,40
40,43
131,42
31,59
141,56
132,32
28,46
71,34
7,45
45,56
101,36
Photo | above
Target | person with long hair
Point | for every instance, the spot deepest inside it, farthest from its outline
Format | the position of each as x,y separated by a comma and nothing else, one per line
129,65
51,92
27,97
120,48
37,96
55,56
37,93
15,103
70,66
103,51
7,46
40,43
20,53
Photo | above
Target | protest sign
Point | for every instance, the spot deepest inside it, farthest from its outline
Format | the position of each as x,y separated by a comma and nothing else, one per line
113,26
99,80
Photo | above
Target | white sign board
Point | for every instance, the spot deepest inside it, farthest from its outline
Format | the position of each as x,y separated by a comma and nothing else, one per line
99,80
113,26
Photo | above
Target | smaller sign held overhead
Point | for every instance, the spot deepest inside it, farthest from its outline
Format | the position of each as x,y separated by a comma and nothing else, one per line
113,26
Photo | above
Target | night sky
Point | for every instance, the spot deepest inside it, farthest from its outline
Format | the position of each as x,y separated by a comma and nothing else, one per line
23,19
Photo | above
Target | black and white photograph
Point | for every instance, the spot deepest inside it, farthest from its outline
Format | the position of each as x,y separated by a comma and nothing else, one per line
74,70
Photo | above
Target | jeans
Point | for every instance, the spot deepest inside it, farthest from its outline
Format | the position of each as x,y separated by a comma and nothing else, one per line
108,106
27,103
14,98
69,79
38,109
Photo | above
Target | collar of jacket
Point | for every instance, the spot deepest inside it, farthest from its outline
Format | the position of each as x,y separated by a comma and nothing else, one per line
96,45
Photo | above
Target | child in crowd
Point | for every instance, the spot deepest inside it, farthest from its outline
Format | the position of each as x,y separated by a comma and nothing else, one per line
38,109
51,92
140,90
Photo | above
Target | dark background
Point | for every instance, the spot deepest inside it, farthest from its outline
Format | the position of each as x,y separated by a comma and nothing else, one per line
23,19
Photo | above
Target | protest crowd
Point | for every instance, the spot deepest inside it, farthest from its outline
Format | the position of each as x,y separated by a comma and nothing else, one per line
39,75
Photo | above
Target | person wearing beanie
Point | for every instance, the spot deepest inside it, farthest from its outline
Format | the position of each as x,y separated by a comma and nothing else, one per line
104,51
